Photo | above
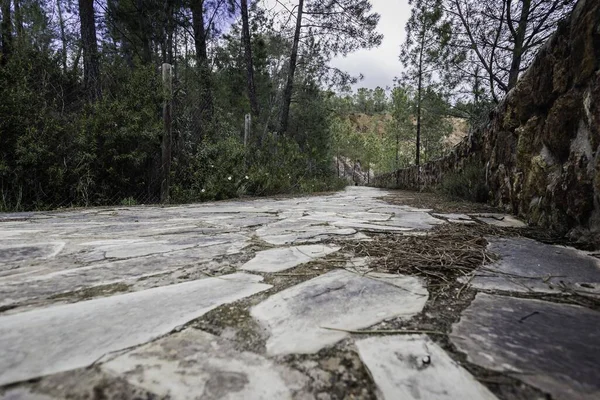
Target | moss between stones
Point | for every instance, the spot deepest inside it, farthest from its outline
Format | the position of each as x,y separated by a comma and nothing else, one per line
89,293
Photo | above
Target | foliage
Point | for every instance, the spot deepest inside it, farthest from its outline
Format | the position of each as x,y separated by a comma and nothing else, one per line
468,184
59,146
386,142
55,152
435,124
364,101
494,41
427,37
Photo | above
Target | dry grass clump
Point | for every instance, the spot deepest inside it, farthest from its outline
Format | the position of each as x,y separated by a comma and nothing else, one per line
444,253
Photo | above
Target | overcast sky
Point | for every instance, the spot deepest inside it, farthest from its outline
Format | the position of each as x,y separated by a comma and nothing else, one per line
379,66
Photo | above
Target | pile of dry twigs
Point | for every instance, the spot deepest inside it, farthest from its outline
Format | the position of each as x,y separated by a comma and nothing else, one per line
448,251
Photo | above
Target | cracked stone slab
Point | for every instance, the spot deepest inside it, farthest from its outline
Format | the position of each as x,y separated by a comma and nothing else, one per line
276,260
455,218
501,220
368,216
414,220
24,287
304,234
529,266
193,364
14,253
398,209
295,318
551,346
359,225
413,367
462,221
64,337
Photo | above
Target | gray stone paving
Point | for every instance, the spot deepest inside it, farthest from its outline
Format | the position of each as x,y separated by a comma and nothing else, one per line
413,367
59,338
528,266
277,260
554,347
500,220
193,364
120,288
296,318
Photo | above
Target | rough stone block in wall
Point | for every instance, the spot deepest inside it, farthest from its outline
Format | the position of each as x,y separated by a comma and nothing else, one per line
541,145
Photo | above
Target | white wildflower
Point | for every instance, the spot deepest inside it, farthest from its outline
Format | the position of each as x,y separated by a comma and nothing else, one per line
229,178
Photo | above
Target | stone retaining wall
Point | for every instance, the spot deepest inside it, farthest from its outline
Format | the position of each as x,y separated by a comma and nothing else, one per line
541,146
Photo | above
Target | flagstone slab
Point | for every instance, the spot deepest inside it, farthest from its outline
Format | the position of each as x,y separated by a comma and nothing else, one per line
529,266
277,260
501,220
296,318
40,284
193,364
64,337
414,220
413,367
17,251
310,233
453,216
551,346
359,225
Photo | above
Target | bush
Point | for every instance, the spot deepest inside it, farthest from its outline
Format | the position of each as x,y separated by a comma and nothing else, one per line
468,184
223,168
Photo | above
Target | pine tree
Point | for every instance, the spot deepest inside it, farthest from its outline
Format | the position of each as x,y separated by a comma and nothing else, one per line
335,27
91,60
427,37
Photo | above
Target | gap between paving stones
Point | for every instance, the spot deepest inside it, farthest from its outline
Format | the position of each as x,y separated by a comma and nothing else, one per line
218,266
233,321
334,371
449,298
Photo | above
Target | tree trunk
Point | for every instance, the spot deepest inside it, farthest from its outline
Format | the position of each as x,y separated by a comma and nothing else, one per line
419,97
146,48
397,156
63,38
166,145
519,39
169,27
6,30
18,18
477,87
287,93
248,56
91,62
202,54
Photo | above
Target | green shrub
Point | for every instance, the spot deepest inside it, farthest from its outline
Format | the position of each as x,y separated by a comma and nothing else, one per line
468,184
222,168
129,201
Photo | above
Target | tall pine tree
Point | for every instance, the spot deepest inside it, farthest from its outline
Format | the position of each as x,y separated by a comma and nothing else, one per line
427,37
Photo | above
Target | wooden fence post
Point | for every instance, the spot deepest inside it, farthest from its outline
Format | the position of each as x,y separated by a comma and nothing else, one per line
247,128
166,139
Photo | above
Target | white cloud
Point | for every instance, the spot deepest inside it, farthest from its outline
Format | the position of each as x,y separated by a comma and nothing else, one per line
379,66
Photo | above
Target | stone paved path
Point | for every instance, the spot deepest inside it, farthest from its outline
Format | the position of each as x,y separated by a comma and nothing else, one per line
262,299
